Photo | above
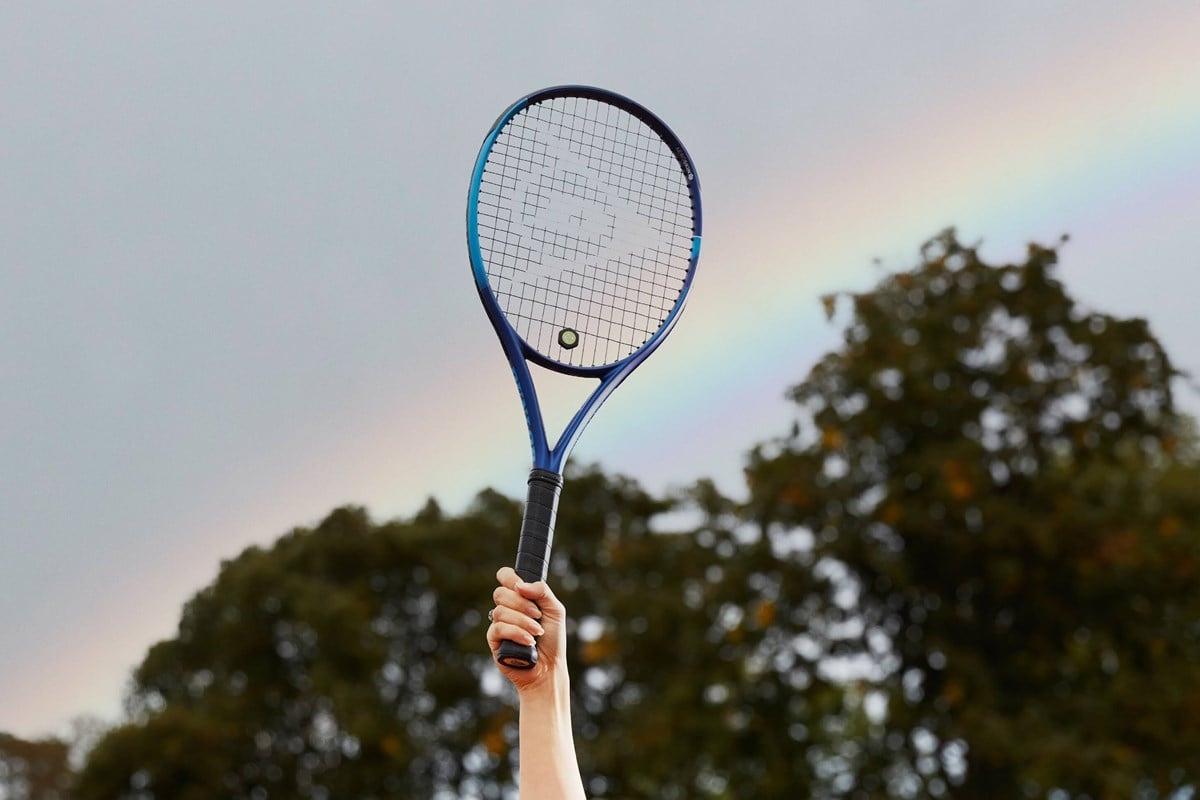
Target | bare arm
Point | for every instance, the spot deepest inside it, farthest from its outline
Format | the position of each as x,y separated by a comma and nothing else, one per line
549,769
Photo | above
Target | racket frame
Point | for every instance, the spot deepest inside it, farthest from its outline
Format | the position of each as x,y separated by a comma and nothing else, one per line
519,352
545,479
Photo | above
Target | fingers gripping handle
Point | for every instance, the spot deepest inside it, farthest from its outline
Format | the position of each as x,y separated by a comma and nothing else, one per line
533,551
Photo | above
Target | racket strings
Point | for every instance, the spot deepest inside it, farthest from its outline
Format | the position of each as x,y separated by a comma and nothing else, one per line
585,222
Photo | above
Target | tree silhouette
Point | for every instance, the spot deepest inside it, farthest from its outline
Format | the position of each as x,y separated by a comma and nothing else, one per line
349,661
996,474
34,770
333,664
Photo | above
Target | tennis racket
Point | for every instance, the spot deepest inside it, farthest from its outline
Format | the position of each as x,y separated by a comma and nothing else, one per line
583,226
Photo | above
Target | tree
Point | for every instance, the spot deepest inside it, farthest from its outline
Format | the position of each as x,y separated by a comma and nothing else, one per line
349,661
998,477
34,770
334,664
689,680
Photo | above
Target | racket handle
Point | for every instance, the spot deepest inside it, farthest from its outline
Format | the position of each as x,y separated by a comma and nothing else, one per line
533,552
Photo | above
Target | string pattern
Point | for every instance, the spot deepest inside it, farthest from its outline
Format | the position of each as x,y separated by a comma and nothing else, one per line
585,223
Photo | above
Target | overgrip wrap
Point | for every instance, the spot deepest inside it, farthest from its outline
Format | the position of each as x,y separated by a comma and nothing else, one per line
537,529
533,551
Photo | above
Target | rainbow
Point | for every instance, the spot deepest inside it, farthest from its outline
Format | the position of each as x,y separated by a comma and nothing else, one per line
1100,142
1089,149
1094,150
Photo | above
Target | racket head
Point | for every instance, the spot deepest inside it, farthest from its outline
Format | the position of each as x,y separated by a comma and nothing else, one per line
584,229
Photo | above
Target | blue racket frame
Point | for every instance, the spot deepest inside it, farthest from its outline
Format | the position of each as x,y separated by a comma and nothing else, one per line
518,352
545,479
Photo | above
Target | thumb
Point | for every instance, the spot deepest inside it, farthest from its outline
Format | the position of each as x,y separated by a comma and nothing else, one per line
540,593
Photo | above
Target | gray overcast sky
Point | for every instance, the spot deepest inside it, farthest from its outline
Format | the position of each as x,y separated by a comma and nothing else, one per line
234,291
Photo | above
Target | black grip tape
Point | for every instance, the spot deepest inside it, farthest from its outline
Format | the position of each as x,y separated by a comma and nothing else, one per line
533,551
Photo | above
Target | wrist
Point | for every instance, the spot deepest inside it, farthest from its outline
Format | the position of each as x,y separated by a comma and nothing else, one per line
554,689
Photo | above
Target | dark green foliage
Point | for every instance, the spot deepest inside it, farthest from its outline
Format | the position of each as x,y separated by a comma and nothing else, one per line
342,662
34,770
683,658
996,472
349,661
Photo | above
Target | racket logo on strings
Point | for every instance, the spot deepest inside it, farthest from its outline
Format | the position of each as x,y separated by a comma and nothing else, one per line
572,220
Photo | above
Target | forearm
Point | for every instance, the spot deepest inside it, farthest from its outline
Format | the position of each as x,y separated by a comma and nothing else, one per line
549,770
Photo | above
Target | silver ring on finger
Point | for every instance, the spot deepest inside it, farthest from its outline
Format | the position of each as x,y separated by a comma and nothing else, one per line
490,617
